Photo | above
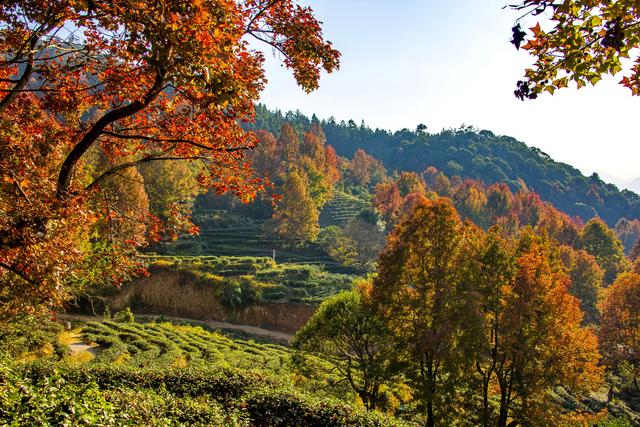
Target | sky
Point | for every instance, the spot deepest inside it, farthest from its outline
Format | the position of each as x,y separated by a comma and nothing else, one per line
448,63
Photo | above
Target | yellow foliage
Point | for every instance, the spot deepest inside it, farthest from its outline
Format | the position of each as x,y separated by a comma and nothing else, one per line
80,357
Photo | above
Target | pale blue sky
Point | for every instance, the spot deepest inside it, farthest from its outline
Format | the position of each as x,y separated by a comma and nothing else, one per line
445,63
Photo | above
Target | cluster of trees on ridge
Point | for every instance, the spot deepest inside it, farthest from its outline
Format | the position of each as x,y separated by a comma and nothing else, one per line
474,154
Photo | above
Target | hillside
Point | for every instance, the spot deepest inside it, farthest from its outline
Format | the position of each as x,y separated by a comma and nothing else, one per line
470,153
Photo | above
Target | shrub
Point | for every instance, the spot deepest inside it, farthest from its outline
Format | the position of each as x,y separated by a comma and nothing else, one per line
124,316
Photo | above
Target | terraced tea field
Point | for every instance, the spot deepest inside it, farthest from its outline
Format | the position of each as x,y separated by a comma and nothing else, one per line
168,345
245,280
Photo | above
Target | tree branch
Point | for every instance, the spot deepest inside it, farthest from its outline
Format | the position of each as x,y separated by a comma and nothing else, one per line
18,273
177,141
66,171
26,75
152,158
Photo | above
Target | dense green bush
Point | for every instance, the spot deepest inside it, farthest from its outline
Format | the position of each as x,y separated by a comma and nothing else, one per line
108,395
25,334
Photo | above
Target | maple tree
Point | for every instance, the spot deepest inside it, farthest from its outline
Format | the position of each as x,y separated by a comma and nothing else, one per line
579,41
141,81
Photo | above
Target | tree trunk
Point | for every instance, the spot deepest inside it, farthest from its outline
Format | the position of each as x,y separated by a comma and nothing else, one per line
430,420
502,419
485,402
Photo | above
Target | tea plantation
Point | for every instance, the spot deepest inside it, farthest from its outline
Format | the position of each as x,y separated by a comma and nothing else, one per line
164,375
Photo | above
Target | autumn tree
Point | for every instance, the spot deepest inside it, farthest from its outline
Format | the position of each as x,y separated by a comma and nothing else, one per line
471,202
145,81
495,275
620,328
586,281
387,200
288,143
420,292
437,181
635,251
601,242
410,202
559,226
265,157
543,341
365,170
499,200
331,162
128,207
410,182
313,145
529,207
351,335
296,216
582,42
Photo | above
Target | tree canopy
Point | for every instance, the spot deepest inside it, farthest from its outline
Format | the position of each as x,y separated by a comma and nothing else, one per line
138,82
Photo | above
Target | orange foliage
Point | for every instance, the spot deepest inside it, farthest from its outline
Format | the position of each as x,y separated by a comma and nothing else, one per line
148,81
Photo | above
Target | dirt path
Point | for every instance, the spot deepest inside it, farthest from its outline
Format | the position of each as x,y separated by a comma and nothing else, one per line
252,330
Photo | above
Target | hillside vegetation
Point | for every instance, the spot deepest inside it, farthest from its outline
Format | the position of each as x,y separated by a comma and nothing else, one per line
163,374
470,153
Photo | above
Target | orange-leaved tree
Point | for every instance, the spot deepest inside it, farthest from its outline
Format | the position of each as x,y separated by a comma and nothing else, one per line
620,328
137,81
539,341
421,292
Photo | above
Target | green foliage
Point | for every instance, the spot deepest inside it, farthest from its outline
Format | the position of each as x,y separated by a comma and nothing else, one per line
242,281
26,335
124,316
113,396
163,374
356,340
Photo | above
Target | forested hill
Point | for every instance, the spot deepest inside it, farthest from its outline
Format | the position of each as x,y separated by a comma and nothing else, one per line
470,153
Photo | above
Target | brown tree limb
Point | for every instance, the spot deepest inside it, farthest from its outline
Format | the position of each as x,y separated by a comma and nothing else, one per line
66,171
